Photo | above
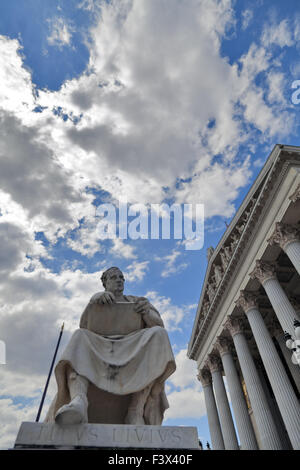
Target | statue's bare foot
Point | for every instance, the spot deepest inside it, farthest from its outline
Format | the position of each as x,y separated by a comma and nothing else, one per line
134,416
73,413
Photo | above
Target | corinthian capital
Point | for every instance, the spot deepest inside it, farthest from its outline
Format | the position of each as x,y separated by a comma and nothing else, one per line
222,345
247,300
213,363
284,234
263,271
205,377
234,326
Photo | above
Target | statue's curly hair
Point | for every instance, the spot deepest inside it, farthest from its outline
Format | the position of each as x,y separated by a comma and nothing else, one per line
106,273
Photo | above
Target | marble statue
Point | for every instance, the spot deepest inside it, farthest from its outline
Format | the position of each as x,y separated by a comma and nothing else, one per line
115,365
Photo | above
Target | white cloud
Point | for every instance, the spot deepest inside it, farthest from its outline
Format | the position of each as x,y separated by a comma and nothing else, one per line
89,5
172,315
204,183
187,400
11,417
136,271
171,264
155,80
121,249
86,240
60,32
277,85
279,34
16,91
247,16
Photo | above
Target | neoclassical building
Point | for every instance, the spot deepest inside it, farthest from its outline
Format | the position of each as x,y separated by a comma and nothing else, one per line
250,297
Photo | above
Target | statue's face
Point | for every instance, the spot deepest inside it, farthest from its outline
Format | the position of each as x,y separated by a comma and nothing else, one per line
115,281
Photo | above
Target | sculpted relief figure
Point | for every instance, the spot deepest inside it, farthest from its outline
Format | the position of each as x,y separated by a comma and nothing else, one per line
235,239
115,365
211,290
218,273
225,254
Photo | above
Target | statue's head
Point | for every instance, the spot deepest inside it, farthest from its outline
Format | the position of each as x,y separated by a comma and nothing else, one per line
113,279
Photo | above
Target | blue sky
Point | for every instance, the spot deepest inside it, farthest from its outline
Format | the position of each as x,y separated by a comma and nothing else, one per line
177,101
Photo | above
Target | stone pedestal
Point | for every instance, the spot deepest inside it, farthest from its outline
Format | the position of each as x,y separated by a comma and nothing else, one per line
105,436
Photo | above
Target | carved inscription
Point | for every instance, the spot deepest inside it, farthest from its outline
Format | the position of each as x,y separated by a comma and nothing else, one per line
146,435
89,435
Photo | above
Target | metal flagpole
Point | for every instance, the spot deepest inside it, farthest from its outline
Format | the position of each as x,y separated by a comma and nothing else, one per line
49,375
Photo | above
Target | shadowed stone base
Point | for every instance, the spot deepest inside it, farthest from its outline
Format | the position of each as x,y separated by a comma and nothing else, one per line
92,436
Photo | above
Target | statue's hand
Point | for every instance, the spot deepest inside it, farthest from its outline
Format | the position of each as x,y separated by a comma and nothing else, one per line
142,306
104,298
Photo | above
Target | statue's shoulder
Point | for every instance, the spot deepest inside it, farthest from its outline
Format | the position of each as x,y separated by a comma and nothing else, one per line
97,294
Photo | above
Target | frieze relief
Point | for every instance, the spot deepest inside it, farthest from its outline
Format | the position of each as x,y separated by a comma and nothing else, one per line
218,274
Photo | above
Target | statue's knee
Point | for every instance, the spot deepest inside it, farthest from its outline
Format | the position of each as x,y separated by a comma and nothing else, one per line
160,332
73,376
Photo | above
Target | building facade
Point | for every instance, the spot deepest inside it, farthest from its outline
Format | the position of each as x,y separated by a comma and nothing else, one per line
250,297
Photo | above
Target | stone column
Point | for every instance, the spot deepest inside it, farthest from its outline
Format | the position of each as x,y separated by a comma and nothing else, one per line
265,273
287,237
227,426
241,414
268,433
212,412
284,393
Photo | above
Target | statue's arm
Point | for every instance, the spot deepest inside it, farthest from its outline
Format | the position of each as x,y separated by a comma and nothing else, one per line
150,315
153,318
84,318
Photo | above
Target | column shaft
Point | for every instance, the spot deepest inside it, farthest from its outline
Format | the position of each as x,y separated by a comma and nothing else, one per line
241,414
263,417
281,305
213,418
227,426
282,388
293,251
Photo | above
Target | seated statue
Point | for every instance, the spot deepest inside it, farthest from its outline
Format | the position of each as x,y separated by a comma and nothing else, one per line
121,352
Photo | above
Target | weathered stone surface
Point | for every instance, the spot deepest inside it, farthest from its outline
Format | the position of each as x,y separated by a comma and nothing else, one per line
43,435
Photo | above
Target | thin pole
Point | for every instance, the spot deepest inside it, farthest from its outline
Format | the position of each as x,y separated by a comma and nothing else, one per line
49,375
